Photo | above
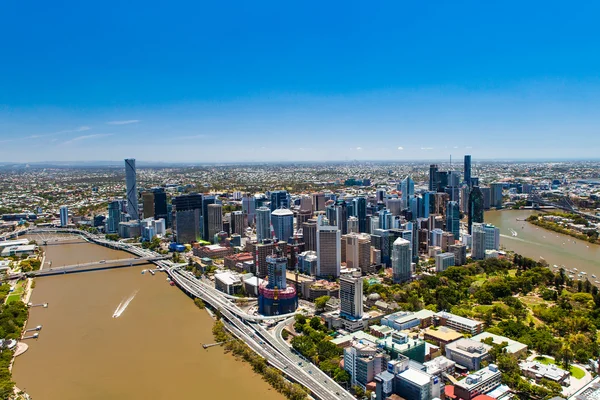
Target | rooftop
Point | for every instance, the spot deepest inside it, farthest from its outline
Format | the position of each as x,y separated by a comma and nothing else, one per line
458,319
443,333
512,347
419,377
479,376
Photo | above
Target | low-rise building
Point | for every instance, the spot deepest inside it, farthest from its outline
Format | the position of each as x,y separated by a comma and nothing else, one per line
212,251
539,371
458,323
363,359
399,343
477,383
28,249
232,261
439,366
228,282
403,320
441,335
512,346
591,391
468,353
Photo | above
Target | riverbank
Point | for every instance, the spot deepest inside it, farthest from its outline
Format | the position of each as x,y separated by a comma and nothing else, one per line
537,220
272,376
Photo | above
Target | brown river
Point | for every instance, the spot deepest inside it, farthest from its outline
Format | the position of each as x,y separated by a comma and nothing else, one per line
153,350
534,242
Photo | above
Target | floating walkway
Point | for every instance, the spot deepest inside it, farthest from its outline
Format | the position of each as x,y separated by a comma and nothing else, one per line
31,305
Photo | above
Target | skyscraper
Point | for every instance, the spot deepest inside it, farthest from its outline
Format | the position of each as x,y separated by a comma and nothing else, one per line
215,220
351,296
453,219
249,207
408,190
114,216
283,223
360,208
188,211
328,251
263,224
468,170
352,225
147,205
496,195
433,178
64,216
276,267
280,199
160,203
237,222
318,202
309,234
206,201
132,193
485,237
475,207
401,260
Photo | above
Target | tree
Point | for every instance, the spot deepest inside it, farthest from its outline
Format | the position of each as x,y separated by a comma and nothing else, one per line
315,323
199,303
320,302
360,392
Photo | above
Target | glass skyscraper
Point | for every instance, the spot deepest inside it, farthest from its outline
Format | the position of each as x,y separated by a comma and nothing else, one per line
475,207
468,170
263,223
453,219
132,193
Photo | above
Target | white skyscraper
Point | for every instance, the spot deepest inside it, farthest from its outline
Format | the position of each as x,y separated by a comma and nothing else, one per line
263,223
408,190
64,215
132,193
485,237
401,260
351,296
329,254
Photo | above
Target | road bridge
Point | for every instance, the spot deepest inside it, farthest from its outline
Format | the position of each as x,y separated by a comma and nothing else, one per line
562,203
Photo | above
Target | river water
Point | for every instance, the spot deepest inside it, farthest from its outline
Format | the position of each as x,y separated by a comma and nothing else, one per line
153,350
534,242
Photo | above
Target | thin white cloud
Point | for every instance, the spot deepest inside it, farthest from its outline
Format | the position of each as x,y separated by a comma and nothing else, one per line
86,137
80,129
126,122
359,148
400,148
426,148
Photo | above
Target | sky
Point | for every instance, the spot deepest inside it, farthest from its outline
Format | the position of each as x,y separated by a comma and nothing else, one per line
298,81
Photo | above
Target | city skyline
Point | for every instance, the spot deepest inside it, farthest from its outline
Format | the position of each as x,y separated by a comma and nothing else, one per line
271,83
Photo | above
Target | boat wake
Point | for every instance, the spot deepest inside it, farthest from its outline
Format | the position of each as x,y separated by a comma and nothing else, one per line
123,305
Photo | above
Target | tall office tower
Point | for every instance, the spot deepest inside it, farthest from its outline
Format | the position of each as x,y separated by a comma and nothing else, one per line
237,222
263,224
276,266
468,170
215,220
161,209
433,178
351,296
309,234
385,219
114,216
460,253
453,178
64,216
331,214
453,219
132,193
408,190
440,202
188,211
413,207
206,201
464,199
352,225
357,255
318,202
328,251
453,193
360,210
485,237
384,246
374,224
249,207
496,200
306,203
401,260
302,216
447,240
148,205
282,220
442,180
487,197
337,214
380,195
435,237
395,206
279,199
475,207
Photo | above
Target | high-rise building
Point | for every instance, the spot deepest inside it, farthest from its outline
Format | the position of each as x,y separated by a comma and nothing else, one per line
237,222
443,261
147,205
279,199
395,206
487,197
263,224
249,208
309,234
475,207
433,178
460,253
358,247
161,209
464,199
352,225
114,217
435,237
188,212
318,202
351,296
306,203
276,266
360,209
132,193
282,220
485,237
275,297
496,200
380,195
401,260
453,219
64,216
206,201
328,251
215,220
467,170
408,190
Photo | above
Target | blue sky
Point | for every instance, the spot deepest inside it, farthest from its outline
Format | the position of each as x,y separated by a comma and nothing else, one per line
276,81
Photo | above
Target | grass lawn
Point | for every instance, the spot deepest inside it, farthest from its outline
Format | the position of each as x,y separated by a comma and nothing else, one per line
13,297
576,372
